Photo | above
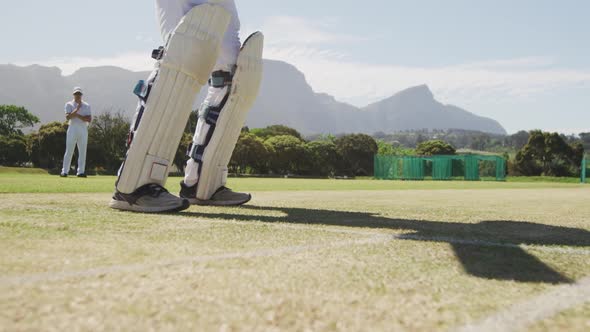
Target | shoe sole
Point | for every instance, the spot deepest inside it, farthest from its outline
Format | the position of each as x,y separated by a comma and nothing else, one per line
124,206
194,201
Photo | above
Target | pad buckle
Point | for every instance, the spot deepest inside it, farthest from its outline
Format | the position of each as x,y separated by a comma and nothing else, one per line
197,152
141,90
158,54
220,79
210,114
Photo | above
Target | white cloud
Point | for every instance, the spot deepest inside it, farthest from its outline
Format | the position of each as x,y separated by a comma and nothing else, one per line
334,73
291,30
312,47
526,62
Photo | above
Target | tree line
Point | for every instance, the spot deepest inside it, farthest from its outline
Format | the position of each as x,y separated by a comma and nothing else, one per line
280,150
277,150
541,154
472,140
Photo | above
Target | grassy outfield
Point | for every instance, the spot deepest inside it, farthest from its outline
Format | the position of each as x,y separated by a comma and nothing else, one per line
304,255
11,182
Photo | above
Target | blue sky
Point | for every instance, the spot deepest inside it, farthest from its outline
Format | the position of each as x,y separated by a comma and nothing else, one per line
525,63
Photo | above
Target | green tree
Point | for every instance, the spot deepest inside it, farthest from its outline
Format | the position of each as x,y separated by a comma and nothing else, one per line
393,149
250,155
107,135
525,164
385,149
323,158
13,150
276,130
47,146
548,154
357,151
14,118
287,154
578,152
435,147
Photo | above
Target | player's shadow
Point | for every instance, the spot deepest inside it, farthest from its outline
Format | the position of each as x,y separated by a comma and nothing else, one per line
475,245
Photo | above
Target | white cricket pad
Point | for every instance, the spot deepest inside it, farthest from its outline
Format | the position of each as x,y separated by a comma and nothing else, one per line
187,62
212,151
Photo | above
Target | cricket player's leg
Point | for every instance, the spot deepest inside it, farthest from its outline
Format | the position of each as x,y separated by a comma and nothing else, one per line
82,149
233,89
70,146
166,100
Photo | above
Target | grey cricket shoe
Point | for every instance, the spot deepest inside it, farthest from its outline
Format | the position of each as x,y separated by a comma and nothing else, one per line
151,198
222,197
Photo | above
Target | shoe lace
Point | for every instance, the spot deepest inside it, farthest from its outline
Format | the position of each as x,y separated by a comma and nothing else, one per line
222,189
153,190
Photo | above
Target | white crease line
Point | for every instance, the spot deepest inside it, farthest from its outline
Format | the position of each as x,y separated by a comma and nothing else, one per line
375,238
58,276
522,315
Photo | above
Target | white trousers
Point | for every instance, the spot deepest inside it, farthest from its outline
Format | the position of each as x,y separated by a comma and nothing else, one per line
169,13
77,136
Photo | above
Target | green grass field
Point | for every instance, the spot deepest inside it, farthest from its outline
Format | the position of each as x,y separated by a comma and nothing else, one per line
23,182
325,255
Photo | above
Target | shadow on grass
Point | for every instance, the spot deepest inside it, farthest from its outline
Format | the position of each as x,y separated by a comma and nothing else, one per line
508,262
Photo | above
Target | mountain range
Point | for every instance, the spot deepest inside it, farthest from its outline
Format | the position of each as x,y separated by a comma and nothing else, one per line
285,98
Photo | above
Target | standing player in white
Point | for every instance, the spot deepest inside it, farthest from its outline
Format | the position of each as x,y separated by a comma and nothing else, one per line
79,115
202,45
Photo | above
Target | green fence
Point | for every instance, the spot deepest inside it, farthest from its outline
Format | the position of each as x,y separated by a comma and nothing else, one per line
440,168
585,170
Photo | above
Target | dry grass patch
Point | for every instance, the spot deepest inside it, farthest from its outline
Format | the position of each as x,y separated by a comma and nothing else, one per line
298,260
